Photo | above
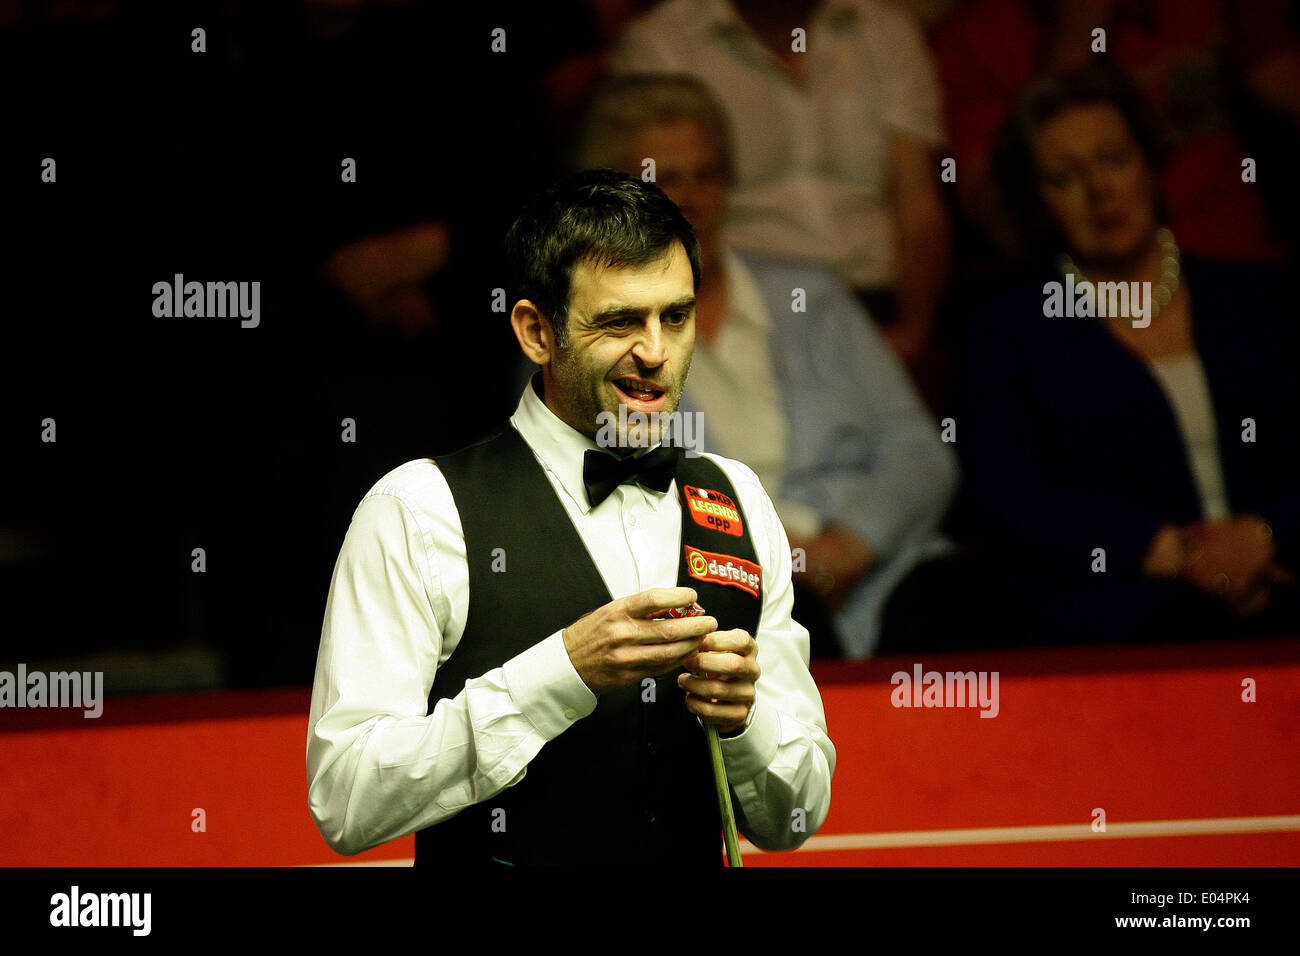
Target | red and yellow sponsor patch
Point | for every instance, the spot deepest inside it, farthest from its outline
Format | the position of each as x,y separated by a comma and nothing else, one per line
724,569
713,509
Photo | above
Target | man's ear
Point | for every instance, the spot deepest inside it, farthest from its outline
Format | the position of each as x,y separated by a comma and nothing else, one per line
534,333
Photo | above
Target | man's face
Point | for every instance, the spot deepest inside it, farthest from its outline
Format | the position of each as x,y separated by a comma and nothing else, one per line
631,332
689,169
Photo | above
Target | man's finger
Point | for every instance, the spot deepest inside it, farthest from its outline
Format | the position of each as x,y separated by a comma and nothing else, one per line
717,690
678,629
670,655
725,715
724,666
648,603
736,641
701,662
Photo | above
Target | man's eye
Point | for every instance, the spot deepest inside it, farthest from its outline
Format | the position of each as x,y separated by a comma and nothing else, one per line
618,324
678,318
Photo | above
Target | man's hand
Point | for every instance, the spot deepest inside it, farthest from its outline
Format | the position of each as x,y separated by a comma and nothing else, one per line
720,681
835,562
617,645
1233,560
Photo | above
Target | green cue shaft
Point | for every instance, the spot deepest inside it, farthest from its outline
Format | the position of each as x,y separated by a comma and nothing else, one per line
724,797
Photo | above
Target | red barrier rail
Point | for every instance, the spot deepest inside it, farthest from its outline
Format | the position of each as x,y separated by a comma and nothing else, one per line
1158,738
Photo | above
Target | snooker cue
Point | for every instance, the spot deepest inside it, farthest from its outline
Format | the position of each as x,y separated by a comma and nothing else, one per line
724,797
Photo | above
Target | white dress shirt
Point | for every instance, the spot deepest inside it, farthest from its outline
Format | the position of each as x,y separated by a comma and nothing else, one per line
1182,377
813,158
380,766
733,378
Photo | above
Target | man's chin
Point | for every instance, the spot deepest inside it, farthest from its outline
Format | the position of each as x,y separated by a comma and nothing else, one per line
636,435
642,437
628,428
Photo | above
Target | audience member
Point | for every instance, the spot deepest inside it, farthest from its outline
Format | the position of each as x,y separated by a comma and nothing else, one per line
1135,471
1190,57
836,110
792,378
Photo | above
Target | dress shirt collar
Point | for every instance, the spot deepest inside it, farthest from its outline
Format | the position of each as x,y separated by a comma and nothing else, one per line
560,446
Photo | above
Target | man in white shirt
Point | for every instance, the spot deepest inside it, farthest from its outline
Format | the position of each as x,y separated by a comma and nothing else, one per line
837,111
450,696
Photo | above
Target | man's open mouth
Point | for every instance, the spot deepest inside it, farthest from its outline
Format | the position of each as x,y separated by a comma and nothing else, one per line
638,390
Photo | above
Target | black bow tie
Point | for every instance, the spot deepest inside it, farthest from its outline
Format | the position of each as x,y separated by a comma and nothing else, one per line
603,472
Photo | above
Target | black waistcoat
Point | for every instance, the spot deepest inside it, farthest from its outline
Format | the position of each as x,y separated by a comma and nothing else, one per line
631,783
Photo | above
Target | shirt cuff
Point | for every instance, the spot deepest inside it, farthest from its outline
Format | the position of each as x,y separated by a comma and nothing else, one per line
752,751
546,688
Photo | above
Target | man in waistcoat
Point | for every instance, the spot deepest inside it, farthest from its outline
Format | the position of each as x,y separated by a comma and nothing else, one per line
494,673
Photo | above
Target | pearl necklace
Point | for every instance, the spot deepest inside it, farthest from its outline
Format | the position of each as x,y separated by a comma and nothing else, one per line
1170,270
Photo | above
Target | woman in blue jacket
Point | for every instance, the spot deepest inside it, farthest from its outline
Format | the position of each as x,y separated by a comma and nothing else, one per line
1130,421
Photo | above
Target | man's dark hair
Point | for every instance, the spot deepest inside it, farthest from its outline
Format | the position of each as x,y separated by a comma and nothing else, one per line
600,216
1014,168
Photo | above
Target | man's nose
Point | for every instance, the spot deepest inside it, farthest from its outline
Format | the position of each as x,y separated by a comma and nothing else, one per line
651,349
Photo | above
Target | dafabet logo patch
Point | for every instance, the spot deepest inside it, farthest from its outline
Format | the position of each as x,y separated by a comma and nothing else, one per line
724,569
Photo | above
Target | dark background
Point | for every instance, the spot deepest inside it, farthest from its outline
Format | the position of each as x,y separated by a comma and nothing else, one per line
181,433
